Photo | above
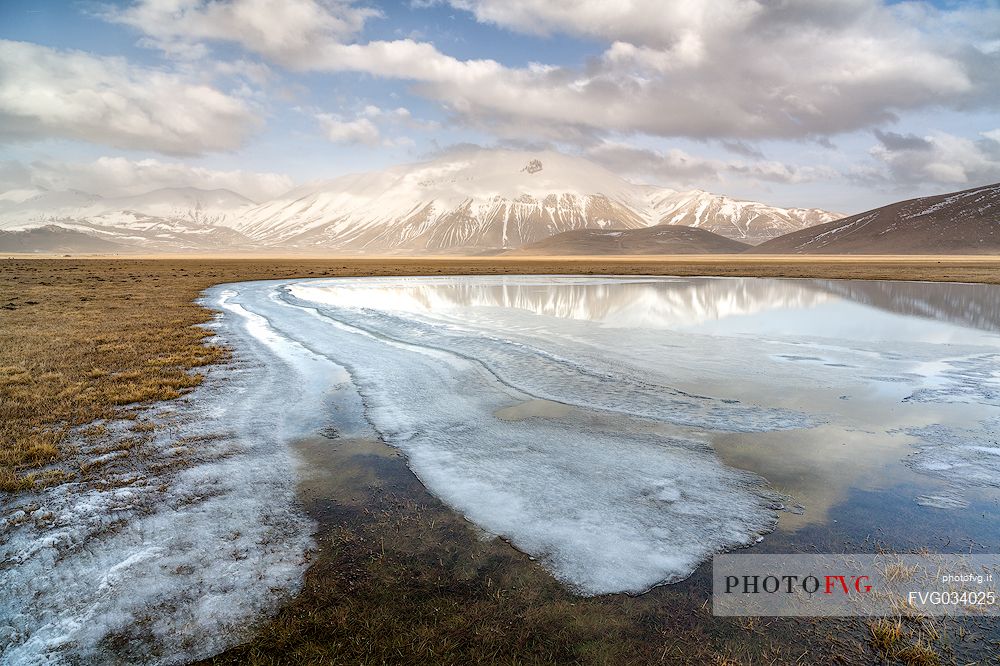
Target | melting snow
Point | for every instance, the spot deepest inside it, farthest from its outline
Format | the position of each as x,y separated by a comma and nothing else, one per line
611,508
175,558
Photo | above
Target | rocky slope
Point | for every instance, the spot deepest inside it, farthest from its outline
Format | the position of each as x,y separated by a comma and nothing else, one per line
746,221
966,222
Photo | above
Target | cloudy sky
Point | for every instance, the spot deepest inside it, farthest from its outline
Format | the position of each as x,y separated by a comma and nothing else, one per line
840,104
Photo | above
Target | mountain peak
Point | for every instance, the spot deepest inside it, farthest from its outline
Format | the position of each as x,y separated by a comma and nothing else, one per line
533,166
484,199
466,200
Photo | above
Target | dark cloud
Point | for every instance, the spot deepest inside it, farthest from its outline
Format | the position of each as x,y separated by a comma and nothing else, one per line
940,159
894,141
743,148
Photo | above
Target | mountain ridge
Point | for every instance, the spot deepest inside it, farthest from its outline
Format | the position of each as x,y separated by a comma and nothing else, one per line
963,222
465,202
658,239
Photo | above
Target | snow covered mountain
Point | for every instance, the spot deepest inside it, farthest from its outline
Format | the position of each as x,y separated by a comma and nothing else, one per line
22,209
745,221
478,200
170,219
490,199
467,202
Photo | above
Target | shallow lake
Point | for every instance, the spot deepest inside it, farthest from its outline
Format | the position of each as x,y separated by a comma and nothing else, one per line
622,430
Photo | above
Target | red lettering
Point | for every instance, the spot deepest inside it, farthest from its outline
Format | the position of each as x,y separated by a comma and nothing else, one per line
831,582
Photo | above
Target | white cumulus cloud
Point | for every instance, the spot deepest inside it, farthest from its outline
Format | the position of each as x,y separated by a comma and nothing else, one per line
734,69
46,92
119,176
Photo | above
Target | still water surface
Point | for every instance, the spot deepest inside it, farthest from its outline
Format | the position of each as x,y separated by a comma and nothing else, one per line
623,429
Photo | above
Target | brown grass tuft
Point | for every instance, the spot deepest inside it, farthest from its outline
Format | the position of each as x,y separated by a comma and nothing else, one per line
912,646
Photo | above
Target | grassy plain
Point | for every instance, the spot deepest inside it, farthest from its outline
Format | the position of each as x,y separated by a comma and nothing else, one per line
398,577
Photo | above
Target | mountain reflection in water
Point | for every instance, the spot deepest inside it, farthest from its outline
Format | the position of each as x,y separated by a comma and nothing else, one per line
680,302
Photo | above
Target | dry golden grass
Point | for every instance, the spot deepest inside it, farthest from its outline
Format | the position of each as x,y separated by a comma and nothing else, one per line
86,339
912,646
80,342
887,635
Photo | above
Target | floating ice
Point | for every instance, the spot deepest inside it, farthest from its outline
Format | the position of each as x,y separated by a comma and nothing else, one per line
964,456
633,348
974,378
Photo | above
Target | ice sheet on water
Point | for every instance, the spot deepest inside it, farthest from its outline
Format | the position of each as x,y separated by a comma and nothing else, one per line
974,378
680,333
962,456
564,371
539,344
541,341
607,505
604,512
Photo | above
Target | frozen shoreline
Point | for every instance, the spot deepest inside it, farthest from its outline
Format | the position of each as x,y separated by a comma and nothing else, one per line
187,544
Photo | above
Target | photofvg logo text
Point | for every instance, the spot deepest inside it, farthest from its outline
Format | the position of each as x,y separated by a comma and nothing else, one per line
789,584
855,584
